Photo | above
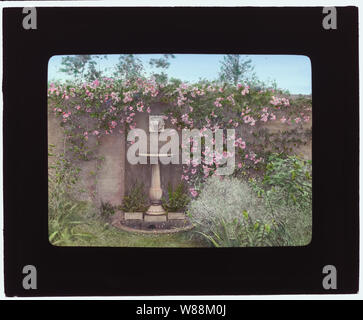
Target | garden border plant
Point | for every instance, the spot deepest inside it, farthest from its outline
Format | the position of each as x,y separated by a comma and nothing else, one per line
64,208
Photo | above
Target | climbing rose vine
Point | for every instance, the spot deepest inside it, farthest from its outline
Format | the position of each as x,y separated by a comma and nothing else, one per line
106,106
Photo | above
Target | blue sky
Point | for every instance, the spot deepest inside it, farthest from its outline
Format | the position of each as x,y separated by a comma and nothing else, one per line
291,72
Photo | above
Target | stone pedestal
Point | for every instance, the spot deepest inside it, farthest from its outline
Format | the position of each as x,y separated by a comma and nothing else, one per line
155,192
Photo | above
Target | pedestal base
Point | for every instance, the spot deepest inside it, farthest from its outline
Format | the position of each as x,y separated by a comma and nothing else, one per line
154,224
155,210
153,218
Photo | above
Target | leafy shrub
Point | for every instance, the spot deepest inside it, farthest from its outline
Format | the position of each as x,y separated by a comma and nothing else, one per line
177,199
107,209
64,228
63,209
293,221
286,190
228,213
135,200
293,176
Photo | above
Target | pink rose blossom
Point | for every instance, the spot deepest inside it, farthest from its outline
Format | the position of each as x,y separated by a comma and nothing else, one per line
193,192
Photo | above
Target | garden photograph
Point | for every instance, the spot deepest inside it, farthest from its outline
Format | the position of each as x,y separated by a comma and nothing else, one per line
179,150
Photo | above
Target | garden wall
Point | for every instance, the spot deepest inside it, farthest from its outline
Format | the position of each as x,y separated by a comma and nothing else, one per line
101,180
109,179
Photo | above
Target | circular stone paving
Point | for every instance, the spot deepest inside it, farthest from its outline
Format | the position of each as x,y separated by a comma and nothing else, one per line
142,223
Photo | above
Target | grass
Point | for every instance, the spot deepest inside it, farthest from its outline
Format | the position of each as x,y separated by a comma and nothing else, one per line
105,235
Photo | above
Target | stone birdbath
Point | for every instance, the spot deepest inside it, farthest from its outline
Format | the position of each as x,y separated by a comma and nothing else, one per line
155,217
156,124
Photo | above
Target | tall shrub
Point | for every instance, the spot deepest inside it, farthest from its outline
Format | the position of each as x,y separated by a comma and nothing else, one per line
228,213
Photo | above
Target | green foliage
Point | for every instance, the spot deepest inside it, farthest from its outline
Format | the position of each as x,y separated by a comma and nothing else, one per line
128,67
177,199
108,236
135,200
286,190
245,218
161,64
292,175
292,223
63,210
81,67
64,229
243,232
229,214
75,65
107,209
93,73
235,69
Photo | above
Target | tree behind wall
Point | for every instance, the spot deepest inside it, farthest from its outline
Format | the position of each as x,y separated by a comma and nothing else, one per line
128,67
235,69
81,67
161,64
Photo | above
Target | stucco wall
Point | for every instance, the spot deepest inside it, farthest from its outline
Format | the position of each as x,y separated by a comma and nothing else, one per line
110,179
100,180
